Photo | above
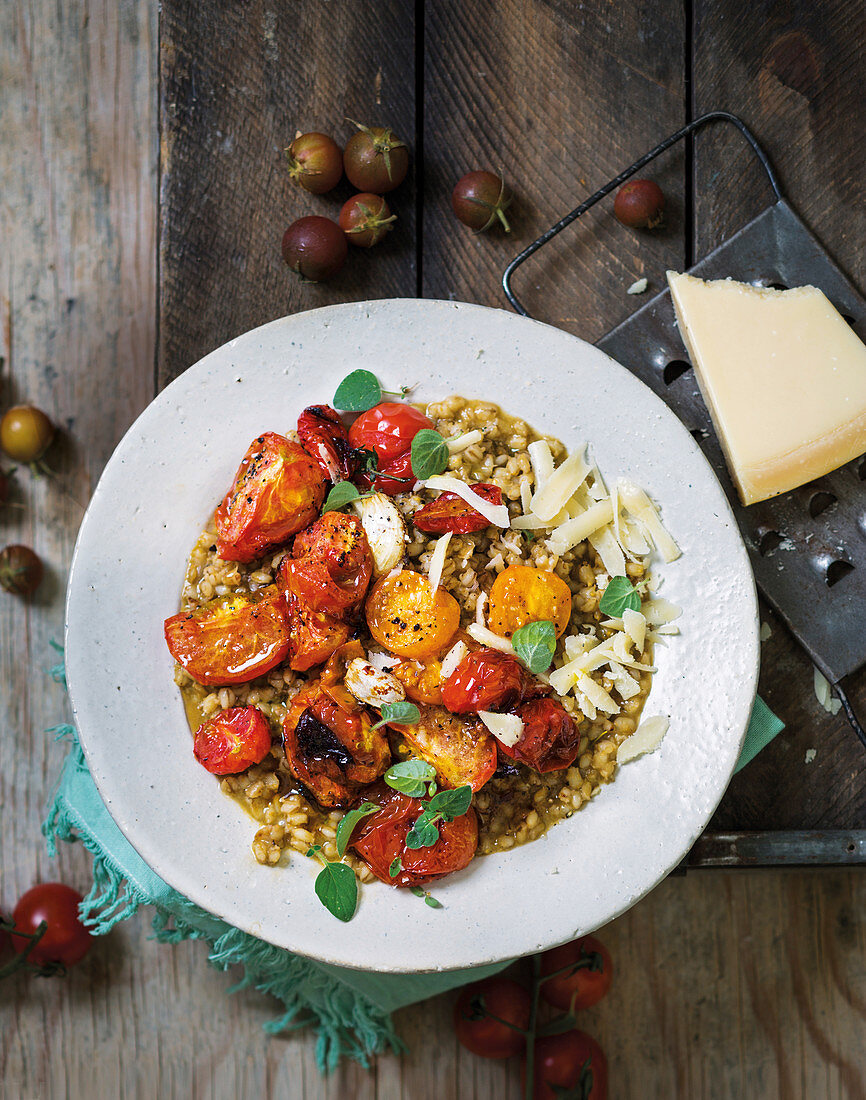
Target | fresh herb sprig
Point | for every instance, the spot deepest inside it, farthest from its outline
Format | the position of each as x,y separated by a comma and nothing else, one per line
444,806
411,777
619,596
361,390
336,886
429,454
348,823
402,713
535,645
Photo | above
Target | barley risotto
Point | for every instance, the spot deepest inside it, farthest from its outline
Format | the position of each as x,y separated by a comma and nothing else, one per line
535,615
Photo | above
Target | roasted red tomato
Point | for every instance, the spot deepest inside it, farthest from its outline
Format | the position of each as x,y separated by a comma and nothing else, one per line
569,1064
331,564
233,741
550,738
333,752
483,1013
232,642
323,435
460,749
580,974
449,512
388,429
489,680
381,838
277,491
313,635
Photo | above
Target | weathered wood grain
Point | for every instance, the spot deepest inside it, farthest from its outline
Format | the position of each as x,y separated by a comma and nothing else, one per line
560,97
797,75
237,82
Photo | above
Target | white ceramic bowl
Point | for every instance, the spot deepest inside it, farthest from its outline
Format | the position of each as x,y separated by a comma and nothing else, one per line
152,501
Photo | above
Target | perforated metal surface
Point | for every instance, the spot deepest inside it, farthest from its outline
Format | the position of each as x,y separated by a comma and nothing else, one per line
807,547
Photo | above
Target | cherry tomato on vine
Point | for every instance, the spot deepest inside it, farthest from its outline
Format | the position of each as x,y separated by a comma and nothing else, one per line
25,433
323,436
65,939
232,741
449,512
365,219
315,162
475,1020
486,680
388,429
550,739
375,159
582,972
381,839
315,248
479,199
21,570
569,1064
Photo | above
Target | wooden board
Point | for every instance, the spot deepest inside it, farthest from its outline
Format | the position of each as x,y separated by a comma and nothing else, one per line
236,83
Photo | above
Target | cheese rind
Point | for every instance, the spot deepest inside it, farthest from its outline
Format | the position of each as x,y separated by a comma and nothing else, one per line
783,376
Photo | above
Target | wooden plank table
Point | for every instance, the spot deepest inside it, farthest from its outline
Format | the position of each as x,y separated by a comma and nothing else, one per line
144,196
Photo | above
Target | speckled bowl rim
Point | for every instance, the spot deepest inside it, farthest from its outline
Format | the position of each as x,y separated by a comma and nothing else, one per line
151,503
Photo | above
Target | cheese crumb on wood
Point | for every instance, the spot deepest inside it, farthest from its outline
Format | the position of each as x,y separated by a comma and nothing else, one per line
783,376
824,694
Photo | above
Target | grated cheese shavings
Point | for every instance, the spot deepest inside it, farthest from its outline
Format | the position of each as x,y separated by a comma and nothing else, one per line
437,561
575,530
608,549
480,605
562,484
507,728
453,658
542,462
461,442
646,738
495,514
487,637
645,512
634,623
659,611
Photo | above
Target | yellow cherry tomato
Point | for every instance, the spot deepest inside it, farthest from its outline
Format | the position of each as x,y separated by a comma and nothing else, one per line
407,619
522,594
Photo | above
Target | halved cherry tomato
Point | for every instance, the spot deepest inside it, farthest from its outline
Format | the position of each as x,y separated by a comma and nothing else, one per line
231,642
522,594
423,682
569,1064
407,619
483,1013
313,635
550,738
449,512
331,751
381,838
460,749
65,939
582,972
277,491
233,741
331,564
388,429
489,680
323,435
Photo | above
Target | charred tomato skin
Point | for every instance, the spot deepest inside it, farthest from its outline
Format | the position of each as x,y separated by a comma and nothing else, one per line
323,436
315,162
388,430
485,680
550,739
315,248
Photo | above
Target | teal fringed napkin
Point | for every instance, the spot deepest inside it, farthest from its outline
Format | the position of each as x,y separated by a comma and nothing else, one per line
349,1009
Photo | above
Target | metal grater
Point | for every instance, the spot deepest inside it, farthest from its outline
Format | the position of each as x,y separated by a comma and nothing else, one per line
807,547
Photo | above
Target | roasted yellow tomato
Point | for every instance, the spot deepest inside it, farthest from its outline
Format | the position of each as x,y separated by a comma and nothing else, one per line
522,594
423,682
407,619
458,746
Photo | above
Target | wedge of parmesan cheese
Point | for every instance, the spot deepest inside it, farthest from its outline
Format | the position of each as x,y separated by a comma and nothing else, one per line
495,514
646,738
507,728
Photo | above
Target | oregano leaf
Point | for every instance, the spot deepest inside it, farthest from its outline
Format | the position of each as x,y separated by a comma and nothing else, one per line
337,890
409,776
402,712
348,822
341,494
535,645
429,454
619,596
358,392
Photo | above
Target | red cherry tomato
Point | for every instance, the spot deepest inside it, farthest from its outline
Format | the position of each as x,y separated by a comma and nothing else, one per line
475,1020
449,512
313,635
323,435
388,429
315,162
332,751
487,680
365,219
314,248
550,738
232,741
460,749
331,564
569,1064
381,838
65,939
375,159
231,643
582,972
277,491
